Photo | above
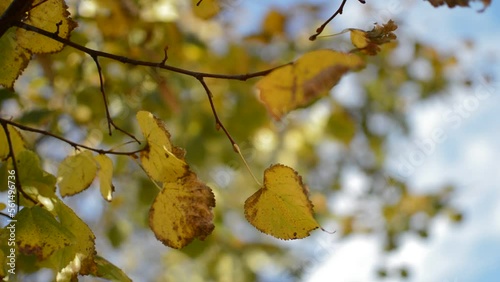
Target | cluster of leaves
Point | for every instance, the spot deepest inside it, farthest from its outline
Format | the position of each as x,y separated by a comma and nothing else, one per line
181,206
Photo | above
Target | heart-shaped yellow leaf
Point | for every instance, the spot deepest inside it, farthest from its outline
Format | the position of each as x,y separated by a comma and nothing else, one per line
281,208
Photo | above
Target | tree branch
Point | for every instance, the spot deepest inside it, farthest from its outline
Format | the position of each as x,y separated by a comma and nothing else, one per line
125,60
19,187
75,145
320,29
218,123
95,54
104,98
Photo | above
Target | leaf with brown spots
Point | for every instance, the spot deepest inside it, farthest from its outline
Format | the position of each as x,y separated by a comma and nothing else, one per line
182,211
39,233
306,80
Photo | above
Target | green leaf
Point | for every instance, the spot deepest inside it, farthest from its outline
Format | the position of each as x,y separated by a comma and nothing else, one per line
76,173
281,208
77,258
38,233
107,270
36,182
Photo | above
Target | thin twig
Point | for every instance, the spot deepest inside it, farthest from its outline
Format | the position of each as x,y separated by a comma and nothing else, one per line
320,29
218,123
104,98
14,164
73,144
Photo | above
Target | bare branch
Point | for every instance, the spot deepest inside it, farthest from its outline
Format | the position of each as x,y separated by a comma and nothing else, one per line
73,144
19,187
104,98
125,60
218,123
320,29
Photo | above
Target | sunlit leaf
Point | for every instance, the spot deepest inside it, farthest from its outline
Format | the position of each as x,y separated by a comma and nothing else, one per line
182,211
305,81
17,45
49,15
37,183
39,233
281,208
76,173
105,175
162,161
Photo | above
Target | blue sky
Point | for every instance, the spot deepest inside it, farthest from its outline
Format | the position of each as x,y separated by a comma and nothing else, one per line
468,158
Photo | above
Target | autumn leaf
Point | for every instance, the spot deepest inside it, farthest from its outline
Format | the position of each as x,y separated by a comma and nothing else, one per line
306,80
182,211
37,183
161,160
17,45
207,9
16,139
105,175
462,3
109,271
76,173
281,207
39,233
369,41
78,257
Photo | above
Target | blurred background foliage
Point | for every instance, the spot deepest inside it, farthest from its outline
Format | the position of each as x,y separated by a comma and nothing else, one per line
339,144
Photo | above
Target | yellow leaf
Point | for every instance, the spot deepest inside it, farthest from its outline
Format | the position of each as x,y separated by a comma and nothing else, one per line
49,15
358,38
13,60
274,23
2,206
182,211
76,173
39,233
105,174
113,18
305,81
17,45
16,139
162,161
281,208
207,9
